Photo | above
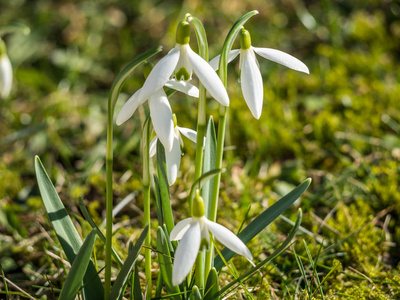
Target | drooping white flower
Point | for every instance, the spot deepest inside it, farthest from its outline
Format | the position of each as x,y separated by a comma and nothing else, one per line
250,75
6,75
181,62
160,110
173,157
194,236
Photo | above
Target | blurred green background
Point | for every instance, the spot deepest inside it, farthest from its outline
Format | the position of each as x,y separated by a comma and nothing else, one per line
340,125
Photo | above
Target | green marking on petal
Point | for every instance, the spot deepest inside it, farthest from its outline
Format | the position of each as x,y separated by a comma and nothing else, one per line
183,33
175,120
182,74
204,245
245,39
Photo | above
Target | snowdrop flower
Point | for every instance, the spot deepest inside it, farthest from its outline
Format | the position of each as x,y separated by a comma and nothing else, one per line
6,75
173,157
194,236
182,61
250,75
160,109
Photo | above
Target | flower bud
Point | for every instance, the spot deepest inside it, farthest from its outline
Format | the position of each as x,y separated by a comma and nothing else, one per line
198,205
245,39
183,33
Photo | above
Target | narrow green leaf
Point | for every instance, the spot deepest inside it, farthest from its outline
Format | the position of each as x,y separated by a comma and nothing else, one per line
201,37
66,232
210,150
157,193
78,268
89,219
276,253
165,263
212,286
137,292
264,219
302,271
164,187
159,285
123,276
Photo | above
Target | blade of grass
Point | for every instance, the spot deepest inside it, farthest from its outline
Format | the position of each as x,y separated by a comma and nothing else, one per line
123,276
302,271
264,219
276,253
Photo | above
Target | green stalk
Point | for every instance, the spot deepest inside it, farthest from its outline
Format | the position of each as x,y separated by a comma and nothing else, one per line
112,100
109,199
146,203
223,74
201,127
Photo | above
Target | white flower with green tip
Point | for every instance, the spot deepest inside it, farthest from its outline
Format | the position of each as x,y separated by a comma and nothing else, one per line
173,157
250,75
181,62
194,236
160,110
6,75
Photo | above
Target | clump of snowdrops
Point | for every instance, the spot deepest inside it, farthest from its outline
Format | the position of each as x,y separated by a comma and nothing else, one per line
189,255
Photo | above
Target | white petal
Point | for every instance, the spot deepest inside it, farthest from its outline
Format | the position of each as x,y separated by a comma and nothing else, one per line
183,87
180,229
208,78
186,253
6,76
214,63
282,58
228,239
251,81
173,160
153,146
189,133
160,74
161,117
129,108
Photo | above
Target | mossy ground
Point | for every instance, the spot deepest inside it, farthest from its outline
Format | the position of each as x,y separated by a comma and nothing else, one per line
340,125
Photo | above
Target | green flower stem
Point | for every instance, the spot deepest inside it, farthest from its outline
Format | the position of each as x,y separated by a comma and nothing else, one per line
223,74
146,203
112,100
109,200
201,127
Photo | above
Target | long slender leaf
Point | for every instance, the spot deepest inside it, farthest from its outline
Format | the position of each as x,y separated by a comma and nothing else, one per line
264,219
165,263
276,253
137,292
210,150
157,192
164,187
88,218
201,37
78,268
123,276
66,232
212,287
